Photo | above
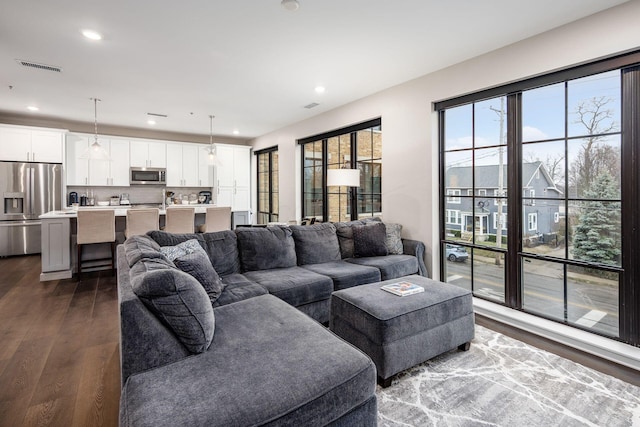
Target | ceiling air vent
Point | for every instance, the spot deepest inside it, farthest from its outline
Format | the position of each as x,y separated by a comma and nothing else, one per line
156,115
310,106
39,66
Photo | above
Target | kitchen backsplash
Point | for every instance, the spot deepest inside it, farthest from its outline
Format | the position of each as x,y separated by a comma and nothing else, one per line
150,194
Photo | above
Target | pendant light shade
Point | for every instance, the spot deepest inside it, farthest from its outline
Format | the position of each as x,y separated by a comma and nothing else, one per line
211,150
95,151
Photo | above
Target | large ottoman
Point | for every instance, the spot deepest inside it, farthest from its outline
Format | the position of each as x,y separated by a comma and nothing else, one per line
400,332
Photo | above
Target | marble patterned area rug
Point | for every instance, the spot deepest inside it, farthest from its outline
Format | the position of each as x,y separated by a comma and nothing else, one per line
504,382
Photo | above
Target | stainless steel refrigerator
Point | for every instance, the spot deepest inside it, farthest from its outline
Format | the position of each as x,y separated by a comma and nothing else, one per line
27,190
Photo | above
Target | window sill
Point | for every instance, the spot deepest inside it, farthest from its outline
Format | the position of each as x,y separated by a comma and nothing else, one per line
596,345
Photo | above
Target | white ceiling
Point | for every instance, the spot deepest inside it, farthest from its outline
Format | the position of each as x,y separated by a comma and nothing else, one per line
251,63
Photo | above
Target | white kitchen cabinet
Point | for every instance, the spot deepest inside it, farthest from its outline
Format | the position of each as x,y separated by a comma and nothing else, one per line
93,172
233,176
183,164
148,154
77,169
112,172
24,144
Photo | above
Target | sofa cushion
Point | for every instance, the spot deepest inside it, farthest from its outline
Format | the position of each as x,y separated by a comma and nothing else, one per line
238,288
345,274
390,266
315,244
264,248
179,301
222,248
394,238
272,365
197,264
139,247
295,285
369,240
344,231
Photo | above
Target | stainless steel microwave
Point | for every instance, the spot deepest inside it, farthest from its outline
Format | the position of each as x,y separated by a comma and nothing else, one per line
147,176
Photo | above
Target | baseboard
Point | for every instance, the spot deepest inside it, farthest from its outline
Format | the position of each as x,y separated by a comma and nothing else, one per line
56,275
605,348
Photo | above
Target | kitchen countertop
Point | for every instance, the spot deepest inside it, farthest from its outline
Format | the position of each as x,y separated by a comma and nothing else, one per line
119,210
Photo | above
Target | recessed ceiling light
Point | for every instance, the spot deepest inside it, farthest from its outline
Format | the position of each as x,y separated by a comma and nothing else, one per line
32,108
92,35
151,122
236,132
320,89
290,4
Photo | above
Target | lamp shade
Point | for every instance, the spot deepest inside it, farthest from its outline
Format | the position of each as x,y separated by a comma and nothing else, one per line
343,177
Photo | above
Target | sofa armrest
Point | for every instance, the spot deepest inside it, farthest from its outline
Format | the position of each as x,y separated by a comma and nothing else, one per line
417,249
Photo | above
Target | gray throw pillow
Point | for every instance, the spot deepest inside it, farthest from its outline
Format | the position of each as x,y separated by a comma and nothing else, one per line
181,249
264,248
344,230
316,243
369,240
394,239
172,239
197,264
140,247
181,303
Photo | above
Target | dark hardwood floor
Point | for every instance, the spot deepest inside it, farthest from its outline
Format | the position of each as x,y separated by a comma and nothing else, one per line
59,355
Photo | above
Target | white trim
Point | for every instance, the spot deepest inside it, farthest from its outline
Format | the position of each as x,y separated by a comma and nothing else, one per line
532,216
615,351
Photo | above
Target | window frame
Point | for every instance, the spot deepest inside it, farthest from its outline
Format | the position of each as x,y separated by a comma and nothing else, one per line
629,271
356,193
273,216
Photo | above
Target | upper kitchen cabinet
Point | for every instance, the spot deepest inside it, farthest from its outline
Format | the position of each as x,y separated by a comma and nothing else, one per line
182,165
83,170
148,154
24,144
233,176
112,172
205,167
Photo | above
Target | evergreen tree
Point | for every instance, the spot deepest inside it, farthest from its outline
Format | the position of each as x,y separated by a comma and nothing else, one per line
597,236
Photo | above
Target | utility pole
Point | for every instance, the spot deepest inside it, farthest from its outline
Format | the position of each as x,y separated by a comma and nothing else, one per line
500,200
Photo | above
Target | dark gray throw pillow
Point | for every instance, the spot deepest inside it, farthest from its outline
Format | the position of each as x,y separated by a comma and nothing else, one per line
180,302
198,265
369,240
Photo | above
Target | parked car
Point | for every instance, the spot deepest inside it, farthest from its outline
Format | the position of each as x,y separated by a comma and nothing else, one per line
456,253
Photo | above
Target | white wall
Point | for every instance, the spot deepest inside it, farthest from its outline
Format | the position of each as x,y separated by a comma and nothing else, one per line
409,126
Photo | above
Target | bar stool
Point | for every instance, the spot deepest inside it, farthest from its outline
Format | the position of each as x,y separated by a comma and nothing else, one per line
218,218
179,220
139,221
96,226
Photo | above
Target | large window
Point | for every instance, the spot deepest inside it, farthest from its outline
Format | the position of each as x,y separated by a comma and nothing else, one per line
267,185
554,156
355,147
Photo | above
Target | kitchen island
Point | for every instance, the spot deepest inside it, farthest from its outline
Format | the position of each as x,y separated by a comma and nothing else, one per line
59,238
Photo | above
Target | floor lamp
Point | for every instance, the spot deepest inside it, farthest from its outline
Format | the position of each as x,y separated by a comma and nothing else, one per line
345,178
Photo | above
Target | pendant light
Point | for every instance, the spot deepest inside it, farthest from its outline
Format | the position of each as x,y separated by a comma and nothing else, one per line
211,150
95,151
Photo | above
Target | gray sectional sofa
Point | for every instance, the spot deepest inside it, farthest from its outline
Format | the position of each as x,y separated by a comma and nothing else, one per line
210,335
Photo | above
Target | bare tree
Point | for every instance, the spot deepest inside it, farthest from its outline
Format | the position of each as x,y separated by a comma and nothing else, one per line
594,158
